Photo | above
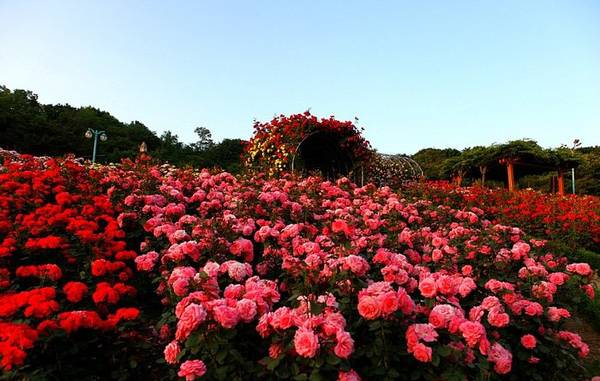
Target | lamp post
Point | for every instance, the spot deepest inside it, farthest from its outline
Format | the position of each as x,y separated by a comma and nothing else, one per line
95,134
576,143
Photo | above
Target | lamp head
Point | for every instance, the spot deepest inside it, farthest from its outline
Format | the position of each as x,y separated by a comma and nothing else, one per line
89,134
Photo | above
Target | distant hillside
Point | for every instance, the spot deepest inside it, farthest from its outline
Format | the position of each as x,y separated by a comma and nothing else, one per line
30,127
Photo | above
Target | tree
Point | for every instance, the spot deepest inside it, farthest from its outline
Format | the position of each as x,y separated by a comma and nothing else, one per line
456,167
431,161
481,158
204,139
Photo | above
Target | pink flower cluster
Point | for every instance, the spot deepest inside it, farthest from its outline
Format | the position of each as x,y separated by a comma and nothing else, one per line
314,266
313,332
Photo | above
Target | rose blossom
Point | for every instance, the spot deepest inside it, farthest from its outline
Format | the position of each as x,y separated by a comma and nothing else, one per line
275,350
344,345
192,369
351,375
528,341
306,342
389,302
246,309
368,307
226,316
428,287
171,352
422,352
190,319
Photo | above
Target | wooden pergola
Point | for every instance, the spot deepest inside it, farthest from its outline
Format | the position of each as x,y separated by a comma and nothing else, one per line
510,173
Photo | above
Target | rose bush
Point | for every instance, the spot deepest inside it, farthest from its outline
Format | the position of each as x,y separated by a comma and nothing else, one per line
290,278
571,220
66,268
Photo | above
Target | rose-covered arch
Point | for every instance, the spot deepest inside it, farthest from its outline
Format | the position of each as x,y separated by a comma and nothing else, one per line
305,143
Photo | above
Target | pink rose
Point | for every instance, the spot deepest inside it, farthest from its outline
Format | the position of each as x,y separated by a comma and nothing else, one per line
582,269
589,291
282,318
344,345
501,358
472,332
275,350
246,309
171,352
528,341
558,278
147,261
368,307
242,247
306,343
192,369
428,287
498,319
389,302
190,319
227,317
350,375
441,315
422,352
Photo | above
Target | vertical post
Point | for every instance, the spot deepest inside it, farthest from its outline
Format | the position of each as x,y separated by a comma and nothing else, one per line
573,179
362,176
561,183
511,175
94,151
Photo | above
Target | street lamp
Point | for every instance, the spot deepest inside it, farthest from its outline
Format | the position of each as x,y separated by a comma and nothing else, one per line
576,143
95,134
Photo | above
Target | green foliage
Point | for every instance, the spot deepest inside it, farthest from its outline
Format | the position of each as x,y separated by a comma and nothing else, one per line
431,161
55,130
534,165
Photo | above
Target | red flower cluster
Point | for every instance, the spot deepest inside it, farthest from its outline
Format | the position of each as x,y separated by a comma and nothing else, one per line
569,218
58,234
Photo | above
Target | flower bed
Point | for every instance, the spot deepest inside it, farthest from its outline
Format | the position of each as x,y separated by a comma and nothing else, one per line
279,279
571,219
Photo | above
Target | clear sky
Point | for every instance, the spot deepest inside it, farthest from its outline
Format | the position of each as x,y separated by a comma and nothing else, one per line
417,74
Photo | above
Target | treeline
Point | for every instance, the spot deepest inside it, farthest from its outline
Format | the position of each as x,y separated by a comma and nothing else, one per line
28,126
535,167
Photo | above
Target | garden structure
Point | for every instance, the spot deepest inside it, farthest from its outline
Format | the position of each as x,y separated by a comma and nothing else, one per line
305,144
501,162
393,170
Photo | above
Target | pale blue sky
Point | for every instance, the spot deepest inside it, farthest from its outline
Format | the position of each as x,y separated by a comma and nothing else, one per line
417,74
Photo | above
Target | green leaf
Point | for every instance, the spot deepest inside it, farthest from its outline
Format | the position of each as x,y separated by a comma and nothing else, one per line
273,363
315,376
221,355
444,351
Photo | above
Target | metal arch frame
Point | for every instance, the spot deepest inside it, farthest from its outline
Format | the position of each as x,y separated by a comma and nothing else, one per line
419,171
299,144
415,168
